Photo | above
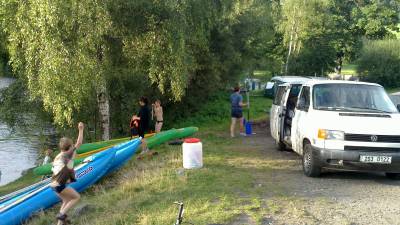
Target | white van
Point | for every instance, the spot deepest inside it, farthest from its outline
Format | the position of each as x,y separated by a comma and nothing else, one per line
273,84
338,124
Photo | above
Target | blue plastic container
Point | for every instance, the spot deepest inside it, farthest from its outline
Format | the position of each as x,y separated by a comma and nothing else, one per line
249,130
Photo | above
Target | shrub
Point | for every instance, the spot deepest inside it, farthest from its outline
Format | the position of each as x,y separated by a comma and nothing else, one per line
380,62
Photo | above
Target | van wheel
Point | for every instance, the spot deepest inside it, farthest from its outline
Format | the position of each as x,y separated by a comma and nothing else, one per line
281,146
393,176
311,164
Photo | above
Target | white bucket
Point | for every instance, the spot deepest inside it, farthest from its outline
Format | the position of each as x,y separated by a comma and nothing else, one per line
192,151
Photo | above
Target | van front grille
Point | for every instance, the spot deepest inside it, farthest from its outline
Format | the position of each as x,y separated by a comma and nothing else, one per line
372,138
370,149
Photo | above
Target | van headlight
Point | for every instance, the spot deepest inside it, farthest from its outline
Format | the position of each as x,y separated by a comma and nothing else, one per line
330,134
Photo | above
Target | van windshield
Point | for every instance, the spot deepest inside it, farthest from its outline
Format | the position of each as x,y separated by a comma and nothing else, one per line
352,97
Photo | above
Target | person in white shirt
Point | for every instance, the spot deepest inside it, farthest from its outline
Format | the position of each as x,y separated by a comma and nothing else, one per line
47,158
63,174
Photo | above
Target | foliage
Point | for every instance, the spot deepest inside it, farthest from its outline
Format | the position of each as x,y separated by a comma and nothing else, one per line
320,34
221,40
15,106
54,46
375,18
182,52
216,112
4,69
308,29
349,69
380,63
372,19
65,50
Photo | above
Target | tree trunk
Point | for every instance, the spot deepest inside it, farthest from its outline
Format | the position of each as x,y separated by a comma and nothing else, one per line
290,48
102,99
104,111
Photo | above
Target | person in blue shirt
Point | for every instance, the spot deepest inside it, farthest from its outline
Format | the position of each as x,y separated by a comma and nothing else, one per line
237,111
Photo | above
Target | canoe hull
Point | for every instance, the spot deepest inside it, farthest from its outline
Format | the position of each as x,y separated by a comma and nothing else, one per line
86,174
46,169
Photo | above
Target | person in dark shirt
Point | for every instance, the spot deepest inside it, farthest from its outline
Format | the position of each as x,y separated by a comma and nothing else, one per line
144,116
144,123
237,111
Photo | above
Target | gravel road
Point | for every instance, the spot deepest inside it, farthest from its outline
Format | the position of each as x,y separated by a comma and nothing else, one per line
334,198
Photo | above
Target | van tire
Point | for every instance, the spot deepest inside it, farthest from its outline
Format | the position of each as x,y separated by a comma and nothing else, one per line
280,146
393,176
311,163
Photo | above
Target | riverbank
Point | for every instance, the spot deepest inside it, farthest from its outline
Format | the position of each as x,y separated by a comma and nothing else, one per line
245,180
25,131
143,192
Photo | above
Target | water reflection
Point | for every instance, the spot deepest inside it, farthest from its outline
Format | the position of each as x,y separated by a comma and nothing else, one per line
19,146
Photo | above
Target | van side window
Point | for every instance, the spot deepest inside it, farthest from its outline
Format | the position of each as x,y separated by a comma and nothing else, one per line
304,100
279,95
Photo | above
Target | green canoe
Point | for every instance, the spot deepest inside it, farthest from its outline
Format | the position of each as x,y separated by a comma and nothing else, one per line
46,168
169,135
152,142
101,144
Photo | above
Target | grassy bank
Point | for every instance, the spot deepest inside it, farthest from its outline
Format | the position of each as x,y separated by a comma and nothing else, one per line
28,178
143,192
392,90
349,69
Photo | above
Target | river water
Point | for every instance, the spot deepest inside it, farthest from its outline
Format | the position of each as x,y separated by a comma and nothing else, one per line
20,146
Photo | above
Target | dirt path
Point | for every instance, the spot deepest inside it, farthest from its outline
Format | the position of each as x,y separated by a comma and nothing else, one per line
335,198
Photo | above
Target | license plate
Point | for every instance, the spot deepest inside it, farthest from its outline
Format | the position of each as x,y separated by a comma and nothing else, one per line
376,159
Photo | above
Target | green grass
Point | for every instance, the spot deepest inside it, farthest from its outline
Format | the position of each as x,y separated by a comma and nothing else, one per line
397,33
349,69
28,178
392,90
217,112
263,75
143,192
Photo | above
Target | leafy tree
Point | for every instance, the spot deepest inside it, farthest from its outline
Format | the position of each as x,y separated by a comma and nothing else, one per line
380,62
59,48
308,28
79,57
355,20
376,18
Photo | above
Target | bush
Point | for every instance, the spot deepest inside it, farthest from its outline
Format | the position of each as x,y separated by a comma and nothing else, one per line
380,62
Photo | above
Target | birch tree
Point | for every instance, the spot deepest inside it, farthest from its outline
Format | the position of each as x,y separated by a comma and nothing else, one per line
77,56
57,47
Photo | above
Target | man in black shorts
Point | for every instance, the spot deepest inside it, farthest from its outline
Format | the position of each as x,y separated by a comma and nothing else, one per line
144,123
237,111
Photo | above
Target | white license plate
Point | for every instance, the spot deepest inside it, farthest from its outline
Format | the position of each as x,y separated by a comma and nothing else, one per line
376,159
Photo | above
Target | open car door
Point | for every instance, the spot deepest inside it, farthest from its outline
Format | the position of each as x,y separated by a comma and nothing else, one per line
278,112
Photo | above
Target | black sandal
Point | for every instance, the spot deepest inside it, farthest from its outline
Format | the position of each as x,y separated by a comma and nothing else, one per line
62,217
